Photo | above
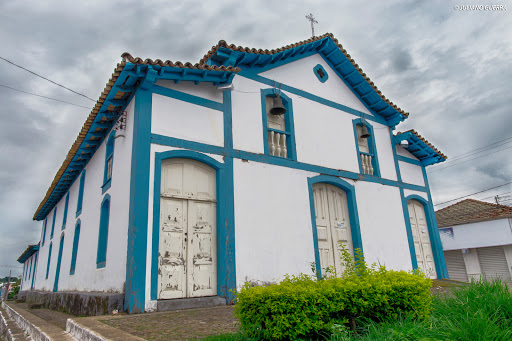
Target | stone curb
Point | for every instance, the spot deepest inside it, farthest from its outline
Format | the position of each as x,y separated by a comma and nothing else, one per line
37,328
91,329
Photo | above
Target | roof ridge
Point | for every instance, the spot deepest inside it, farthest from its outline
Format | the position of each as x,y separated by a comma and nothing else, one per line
148,61
223,43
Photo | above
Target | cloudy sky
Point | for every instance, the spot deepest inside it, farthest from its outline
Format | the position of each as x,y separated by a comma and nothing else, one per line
451,69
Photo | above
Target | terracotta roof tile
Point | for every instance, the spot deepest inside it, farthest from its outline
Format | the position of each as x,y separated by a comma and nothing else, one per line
233,47
415,133
471,211
136,60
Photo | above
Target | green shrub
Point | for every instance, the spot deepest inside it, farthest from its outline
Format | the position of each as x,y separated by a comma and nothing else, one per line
304,307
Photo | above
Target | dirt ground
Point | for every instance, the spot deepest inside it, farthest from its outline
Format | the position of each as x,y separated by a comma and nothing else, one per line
177,325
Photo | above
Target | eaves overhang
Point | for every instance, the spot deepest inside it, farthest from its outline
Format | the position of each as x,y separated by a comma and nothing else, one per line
250,59
129,75
30,250
420,147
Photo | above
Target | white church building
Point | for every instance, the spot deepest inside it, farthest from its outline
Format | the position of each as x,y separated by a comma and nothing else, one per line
188,180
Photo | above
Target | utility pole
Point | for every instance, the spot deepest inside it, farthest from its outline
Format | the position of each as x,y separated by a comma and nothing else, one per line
6,293
497,199
313,21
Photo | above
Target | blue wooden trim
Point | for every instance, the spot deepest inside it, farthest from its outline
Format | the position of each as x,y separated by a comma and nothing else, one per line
372,146
80,194
228,120
65,215
409,160
160,90
135,291
59,260
435,239
44,230
49,259
74,252
226,276
312,97
321,68
101,255
53,223
278,161
288,119
34,272
355,228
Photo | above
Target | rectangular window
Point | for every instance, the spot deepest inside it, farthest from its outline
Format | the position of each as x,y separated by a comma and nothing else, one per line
109,160
53,224
44,230
101,256
49,260
76,239
80,194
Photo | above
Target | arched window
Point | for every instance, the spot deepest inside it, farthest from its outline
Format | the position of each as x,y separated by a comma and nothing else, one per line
366,149
49,259
76,238
101,258
278,130
109,161
80,194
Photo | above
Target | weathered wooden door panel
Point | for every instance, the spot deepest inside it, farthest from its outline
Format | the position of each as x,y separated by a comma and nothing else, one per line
202,267
187,250
173,246
422,245
333,225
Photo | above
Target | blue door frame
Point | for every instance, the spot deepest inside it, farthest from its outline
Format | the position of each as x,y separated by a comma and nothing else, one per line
59,259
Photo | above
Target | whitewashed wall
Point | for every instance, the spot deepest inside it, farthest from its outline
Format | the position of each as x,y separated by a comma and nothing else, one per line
300,74
187,121
87,277
411,174
404,152
481,234
273,223
324,135
383,229
26,282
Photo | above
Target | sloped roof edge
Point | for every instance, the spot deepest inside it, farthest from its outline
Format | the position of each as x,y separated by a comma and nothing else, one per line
418,146
29,251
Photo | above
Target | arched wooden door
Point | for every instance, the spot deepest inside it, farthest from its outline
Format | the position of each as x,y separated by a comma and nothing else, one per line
422,245
333,225
187,251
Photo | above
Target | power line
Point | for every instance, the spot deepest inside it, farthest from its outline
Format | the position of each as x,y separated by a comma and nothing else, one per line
438,169
465,196
49,80
492,197
53,99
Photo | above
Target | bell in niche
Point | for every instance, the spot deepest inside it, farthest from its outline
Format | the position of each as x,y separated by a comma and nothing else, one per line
364,132
277,106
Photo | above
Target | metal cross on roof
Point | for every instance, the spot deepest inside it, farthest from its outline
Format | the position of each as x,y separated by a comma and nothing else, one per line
313,21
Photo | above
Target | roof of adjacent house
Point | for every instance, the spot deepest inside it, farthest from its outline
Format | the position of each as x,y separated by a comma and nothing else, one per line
471,211
134,72
29,251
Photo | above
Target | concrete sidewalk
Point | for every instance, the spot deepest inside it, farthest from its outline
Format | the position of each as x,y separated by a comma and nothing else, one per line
21,322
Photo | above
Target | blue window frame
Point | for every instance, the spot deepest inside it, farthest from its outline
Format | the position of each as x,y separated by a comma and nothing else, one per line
53,223
320,73
101,257
109,162
80,194
65,215
278,130
74,253
44,230
49,259
366,149
30,267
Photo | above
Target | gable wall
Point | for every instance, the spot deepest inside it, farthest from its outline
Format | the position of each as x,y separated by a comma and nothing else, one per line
87,277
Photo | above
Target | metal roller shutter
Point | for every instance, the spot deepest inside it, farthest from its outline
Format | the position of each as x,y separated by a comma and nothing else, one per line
493,263
456,266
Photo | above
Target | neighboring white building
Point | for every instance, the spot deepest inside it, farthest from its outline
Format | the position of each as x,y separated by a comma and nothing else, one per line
477,240
198,188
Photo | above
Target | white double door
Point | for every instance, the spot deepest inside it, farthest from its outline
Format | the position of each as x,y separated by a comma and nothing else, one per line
187,243
422,245
333,225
